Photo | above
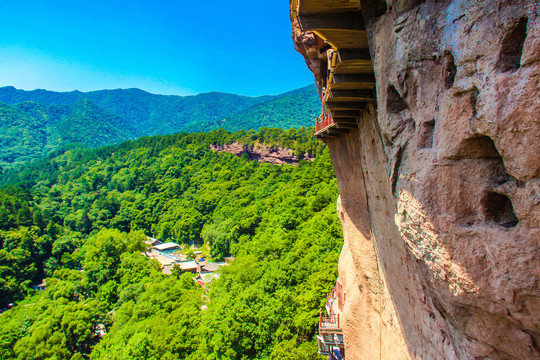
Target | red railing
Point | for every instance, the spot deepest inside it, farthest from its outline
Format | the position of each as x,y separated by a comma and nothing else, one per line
331,321
323,121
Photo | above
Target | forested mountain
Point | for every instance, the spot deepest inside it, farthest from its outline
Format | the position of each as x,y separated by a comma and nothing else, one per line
290,110
29,131
40,121
150,114
79,219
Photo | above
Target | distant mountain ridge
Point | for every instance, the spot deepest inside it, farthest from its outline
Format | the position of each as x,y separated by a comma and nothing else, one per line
293,109
34,123
163,114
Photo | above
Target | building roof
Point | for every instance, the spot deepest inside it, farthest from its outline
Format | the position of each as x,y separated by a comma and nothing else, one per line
167,246
187,265
206,278
152,241
163,260
167,269
211,267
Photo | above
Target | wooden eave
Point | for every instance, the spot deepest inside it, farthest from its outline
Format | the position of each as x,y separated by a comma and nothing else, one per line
344,38
349,88
368,79
345,106
345,114
345,120
331,131
357,81
326,6
341,29
350,20
335,130
346,126
349,95
354,67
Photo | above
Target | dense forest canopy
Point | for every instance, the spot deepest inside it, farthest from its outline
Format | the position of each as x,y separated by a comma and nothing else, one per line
35,123
79,218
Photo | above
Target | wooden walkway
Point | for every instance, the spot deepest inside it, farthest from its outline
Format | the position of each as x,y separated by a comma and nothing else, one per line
350,84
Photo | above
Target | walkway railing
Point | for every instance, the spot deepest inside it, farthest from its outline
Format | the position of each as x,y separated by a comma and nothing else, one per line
331,321
323,121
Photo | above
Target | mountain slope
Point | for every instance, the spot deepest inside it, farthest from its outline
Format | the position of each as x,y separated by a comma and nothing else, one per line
90,125
18,141
152,114
90,209
29,131
34,123
295,109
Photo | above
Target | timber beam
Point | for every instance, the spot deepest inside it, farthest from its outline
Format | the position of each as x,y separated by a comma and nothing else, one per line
345,114
337,131
354,78
350,95
338,21
354,54
327,6
356,66
346,126
346,106
344,38
345,120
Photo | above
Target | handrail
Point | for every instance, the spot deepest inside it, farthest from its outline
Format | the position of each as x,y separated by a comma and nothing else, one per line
331,71
323,121
331,321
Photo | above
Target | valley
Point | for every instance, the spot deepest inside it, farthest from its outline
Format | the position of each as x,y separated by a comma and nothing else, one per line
81,221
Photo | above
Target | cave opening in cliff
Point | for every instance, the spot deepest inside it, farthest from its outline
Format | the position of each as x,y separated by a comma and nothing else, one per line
425,136
478,147
498,209
394,102
450,70
483,148
512,47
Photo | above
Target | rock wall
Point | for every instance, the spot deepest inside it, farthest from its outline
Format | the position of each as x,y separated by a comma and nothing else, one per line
263,153
439,185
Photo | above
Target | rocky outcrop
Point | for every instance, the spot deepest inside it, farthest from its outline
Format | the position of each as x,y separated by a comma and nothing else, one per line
263,153
439,185
308,44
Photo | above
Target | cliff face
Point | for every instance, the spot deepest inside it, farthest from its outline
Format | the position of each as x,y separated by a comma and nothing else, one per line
263,153
439,185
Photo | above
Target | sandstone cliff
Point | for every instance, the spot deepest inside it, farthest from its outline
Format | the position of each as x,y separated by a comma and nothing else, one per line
263,153
439,183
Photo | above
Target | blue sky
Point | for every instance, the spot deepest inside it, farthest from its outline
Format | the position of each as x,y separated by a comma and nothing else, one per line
169,47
